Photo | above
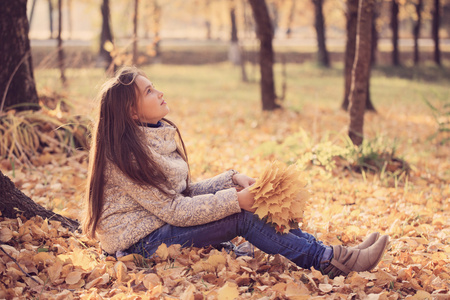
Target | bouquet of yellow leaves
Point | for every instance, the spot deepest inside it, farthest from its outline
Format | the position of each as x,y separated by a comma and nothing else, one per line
280,196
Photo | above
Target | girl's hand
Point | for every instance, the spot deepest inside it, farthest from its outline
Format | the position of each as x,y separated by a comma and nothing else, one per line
246,200
243,180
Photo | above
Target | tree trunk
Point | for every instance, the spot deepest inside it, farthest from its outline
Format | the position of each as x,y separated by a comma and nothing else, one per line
13,203
394,28
106,38
416,30
156,12
266,56
376,15
234,54
319,25
17,84
360,71
50,16
69,18
208,22
435,32
135,36
290,19
60,47
32,11
350,50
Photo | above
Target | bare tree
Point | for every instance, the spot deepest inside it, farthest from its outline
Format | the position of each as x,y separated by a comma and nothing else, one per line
290,19
156,17
50,16
17,86
319,25
360,71
266,57
60,46
435,31
350,51
416,30
394,28
106,37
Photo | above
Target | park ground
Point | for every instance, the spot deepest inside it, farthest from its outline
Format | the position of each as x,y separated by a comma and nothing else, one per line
224,128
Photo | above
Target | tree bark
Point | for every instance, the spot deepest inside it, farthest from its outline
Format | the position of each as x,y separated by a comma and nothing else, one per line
319,25
435,31
394,28
416,30
360,71
60,46
350,50
106,38
17,84
266,56
13,203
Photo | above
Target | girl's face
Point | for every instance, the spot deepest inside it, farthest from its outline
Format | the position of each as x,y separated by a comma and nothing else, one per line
151,106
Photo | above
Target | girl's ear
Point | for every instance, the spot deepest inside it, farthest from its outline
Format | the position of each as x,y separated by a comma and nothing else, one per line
134,113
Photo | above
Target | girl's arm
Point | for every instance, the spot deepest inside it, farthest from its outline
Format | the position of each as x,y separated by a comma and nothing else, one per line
214,184
220,182
182,211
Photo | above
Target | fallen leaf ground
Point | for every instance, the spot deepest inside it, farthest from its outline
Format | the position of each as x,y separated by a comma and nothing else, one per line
345,206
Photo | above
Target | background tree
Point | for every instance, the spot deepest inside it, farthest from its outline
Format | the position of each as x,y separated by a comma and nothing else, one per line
156,12
17,84
234,54
394,29
435,31
375,36
266,57
290,19
60,46
50,17
319,25
135,29
350,52
360,71
416,29
104,58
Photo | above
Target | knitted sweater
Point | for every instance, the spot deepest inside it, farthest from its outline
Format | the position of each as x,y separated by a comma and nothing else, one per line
131,211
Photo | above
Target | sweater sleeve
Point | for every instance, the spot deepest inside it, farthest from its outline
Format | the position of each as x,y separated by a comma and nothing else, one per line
214,184
178,210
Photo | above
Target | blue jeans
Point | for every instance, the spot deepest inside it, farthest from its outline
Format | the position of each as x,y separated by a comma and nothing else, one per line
300,247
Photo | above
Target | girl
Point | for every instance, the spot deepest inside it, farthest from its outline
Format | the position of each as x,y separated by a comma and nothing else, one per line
139,194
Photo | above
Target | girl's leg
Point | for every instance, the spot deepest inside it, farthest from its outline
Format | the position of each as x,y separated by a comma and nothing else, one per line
305,252
305,235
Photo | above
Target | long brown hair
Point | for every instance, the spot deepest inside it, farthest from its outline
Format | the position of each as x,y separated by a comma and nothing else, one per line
117,137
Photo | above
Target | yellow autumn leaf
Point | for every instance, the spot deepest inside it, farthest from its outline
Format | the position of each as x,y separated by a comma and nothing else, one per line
162,251
121,271
6,234
228,292
73,277
151,280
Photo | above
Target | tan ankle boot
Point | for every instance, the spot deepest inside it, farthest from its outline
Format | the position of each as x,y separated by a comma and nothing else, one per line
346,260
369,241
